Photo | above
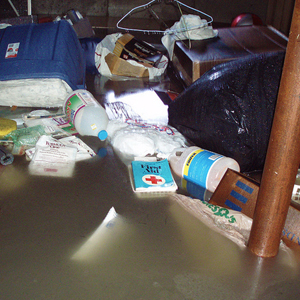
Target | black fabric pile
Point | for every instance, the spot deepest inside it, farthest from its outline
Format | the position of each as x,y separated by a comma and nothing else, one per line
229,110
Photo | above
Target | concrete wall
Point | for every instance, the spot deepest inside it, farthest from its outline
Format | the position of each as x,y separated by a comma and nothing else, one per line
225,11
222,10
59,7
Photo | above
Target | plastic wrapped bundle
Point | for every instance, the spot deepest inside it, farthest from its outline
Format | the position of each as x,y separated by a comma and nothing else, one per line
229,110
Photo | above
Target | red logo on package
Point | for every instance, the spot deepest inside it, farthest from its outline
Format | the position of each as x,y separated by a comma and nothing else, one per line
12,50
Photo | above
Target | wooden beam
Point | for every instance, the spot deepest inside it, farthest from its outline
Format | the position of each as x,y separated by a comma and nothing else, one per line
283,156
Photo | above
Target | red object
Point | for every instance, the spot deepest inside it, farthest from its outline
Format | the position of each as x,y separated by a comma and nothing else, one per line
172,95
45,20
246,19
154,179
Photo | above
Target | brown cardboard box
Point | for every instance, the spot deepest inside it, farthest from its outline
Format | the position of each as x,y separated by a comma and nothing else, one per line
239,192
128,47
236,191
121,67
231,43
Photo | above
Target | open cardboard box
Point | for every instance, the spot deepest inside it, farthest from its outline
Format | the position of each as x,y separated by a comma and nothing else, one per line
231,43
108,61
239,192
119,66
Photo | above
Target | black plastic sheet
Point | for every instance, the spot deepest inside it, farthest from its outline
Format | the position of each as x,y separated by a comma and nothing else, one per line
229,110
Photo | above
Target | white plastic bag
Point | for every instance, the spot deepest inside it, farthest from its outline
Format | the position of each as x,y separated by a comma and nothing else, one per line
197,29
233,224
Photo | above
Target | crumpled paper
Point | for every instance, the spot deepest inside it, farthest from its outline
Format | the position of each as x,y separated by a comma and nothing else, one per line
198,29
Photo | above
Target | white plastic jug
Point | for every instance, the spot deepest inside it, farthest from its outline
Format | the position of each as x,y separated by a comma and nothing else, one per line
87,115
202,167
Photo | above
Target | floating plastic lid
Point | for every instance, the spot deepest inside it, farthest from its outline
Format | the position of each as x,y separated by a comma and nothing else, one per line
102,135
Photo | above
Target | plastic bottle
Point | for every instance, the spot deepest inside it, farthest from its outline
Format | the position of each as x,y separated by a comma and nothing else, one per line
202,167
87,115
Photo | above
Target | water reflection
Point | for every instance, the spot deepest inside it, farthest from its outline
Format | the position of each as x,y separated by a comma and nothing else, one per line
52,169
106,238
227,265
215,252
196,190
145,105
7,173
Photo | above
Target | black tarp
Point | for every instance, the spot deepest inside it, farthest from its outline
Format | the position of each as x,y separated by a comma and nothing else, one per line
229,110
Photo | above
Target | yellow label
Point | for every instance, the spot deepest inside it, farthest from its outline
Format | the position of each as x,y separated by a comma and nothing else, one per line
94,126
189,160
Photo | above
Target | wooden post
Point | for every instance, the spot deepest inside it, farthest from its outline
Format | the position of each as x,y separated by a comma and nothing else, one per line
283,155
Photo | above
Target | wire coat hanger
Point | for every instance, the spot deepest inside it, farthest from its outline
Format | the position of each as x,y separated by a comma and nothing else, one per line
168,31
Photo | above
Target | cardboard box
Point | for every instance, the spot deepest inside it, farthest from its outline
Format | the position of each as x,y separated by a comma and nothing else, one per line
128,47
239,192
231,43
121,67
236,191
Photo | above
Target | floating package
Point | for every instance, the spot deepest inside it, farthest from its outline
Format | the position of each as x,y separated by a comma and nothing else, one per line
229,110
